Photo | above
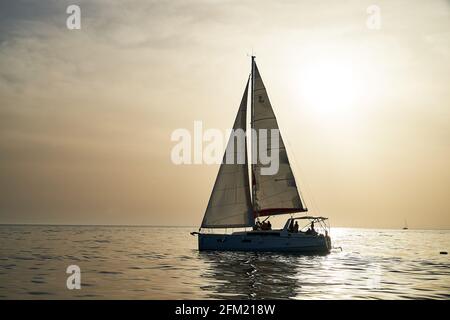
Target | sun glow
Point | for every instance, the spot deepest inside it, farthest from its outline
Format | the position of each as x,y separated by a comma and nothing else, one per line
330,87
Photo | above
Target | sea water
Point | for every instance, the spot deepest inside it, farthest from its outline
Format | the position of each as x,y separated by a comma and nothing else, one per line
121,262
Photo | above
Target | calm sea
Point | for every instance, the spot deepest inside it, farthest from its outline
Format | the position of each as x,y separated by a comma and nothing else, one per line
163,263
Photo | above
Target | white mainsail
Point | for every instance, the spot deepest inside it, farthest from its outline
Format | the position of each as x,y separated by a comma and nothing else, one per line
230,202
272,194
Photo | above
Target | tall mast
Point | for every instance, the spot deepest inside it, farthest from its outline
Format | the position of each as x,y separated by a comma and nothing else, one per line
253,157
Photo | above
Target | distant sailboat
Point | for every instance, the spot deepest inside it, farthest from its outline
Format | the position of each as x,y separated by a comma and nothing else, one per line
405,227
234,204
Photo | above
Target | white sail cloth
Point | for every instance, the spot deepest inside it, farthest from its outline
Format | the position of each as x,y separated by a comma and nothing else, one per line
277,193
230,202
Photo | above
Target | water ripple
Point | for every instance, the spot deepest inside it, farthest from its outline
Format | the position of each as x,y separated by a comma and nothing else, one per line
160,263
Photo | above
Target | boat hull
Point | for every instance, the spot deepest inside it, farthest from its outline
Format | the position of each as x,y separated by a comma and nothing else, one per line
265,241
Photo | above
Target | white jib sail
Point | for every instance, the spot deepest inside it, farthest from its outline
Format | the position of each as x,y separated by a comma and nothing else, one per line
230,202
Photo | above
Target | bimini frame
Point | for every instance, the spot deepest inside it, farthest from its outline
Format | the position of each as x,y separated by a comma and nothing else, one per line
320,223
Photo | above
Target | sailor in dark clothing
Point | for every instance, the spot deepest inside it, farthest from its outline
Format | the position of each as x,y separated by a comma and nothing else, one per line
291,226
296,227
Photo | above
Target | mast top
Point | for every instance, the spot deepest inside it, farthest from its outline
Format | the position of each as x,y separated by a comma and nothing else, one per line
252,55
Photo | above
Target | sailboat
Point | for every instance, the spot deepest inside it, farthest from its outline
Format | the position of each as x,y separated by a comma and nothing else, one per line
234,204
405,227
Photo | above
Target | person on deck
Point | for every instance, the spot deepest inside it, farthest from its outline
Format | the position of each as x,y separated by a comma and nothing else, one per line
291,226
312,230
269,225
296,227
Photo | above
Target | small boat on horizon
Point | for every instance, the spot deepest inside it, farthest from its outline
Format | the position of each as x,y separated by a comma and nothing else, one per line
237,203
405,227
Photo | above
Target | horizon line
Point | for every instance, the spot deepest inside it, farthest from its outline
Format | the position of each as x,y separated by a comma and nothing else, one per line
184,226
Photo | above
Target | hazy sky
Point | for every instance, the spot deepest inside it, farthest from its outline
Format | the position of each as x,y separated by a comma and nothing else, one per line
86,115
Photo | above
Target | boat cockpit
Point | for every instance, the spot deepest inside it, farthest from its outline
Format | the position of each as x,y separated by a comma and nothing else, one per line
306,225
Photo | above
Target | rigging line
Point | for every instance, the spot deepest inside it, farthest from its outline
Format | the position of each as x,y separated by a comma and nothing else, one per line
262,119
303,182
275,194
270,179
